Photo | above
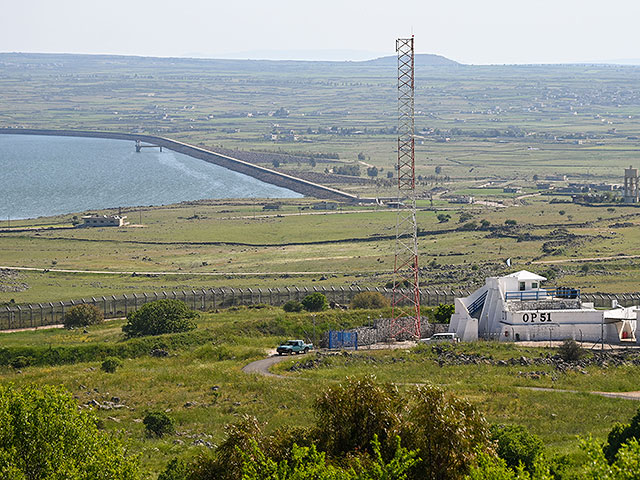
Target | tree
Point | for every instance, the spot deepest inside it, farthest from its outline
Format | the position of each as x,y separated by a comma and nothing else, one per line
561,212
443,217
275,163
44,435
372,171
517,446
484,224
315,302
443,313
82,315
465,217
361,157
161,316
438,170
510,222
369,300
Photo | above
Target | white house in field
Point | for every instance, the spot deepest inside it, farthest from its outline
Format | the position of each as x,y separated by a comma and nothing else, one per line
517,307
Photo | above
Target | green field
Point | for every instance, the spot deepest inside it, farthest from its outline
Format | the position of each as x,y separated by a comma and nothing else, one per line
229,244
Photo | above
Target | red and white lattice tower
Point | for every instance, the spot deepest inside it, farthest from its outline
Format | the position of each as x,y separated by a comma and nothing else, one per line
405,320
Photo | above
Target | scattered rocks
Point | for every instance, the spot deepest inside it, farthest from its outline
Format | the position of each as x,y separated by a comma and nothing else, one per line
159,352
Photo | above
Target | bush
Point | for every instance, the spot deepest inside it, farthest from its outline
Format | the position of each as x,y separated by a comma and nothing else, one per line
175,470
443,313
158,424
315,302
620,434
161,316
45,435
111,364
369,300
82,315
516,445
350,415
293,306
447,432
20,362
570,351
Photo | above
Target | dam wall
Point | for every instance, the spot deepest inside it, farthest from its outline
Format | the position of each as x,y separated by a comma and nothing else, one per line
266,175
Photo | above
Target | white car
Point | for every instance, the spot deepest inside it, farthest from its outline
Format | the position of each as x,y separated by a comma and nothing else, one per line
441,338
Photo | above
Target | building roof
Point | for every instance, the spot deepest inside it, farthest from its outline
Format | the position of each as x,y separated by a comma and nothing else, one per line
526,275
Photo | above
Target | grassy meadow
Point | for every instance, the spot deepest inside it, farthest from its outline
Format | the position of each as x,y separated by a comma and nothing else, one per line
200,383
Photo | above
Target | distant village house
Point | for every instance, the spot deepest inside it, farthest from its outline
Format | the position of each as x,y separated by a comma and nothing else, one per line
104,221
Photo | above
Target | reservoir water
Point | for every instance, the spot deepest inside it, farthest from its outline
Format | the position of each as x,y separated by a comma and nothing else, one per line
45,175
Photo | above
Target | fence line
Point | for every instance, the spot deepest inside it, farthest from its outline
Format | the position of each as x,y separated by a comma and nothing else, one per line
114,306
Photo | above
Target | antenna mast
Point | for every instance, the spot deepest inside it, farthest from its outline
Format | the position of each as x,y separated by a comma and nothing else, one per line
405,321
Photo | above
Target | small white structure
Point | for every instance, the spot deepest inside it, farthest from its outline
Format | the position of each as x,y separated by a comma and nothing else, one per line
104,220
516,307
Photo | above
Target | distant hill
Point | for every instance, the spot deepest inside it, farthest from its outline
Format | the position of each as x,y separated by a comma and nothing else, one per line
421,60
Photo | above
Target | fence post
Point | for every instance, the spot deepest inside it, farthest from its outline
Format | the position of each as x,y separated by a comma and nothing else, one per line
125,304
204,300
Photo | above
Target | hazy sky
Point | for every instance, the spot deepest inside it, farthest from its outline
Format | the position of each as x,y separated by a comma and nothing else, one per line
469,31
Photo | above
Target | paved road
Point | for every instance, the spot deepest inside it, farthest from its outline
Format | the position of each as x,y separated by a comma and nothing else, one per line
262,366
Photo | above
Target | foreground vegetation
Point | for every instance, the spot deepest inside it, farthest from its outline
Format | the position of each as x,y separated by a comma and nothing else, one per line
195,378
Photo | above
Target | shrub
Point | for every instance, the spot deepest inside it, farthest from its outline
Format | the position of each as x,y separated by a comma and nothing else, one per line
570,351
620,434
447,432
443,313
369,300
161,316
175,470
351,414
510,222
82,315
45,435
111,364
293,306
315,302
20,362
516,445
158,424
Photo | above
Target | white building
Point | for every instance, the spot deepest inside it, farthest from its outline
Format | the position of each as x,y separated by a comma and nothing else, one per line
104,221
516,307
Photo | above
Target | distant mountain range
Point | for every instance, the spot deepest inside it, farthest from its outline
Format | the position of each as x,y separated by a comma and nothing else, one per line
421,60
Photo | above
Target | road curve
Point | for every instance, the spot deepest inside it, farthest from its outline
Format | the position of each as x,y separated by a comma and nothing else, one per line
261,367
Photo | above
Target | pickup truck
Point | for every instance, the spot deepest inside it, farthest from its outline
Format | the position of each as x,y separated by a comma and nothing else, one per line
294,346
